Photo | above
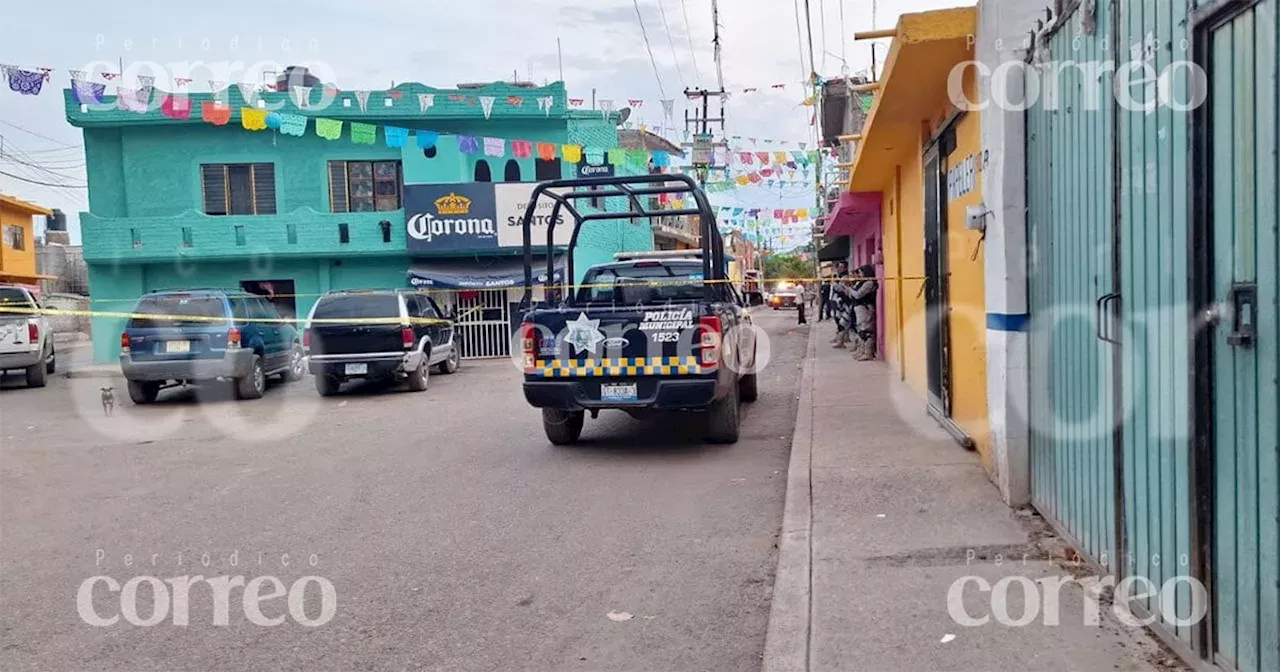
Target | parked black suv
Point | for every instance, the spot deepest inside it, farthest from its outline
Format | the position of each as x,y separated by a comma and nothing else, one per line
387,334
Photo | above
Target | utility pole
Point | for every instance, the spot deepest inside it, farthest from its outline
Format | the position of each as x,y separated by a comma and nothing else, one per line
699,124
821,189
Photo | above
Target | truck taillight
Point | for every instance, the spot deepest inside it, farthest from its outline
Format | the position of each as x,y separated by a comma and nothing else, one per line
33,332
306,339
124,342
527,346
711,335
233,338
406,337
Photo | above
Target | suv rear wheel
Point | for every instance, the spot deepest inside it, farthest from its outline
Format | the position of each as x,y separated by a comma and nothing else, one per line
253,385
562,427
417,378
327,386
297,365
722,419
51,365
143,392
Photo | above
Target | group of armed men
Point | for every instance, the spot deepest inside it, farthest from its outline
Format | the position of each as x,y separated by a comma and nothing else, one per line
850,299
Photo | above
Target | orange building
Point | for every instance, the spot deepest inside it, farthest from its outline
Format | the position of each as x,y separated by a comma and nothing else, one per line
18,241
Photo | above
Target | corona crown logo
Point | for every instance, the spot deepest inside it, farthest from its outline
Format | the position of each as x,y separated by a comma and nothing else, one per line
453,204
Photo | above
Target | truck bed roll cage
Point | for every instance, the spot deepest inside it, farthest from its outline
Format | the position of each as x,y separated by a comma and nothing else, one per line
632,187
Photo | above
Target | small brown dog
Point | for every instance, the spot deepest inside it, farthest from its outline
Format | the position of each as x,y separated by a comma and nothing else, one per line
108,400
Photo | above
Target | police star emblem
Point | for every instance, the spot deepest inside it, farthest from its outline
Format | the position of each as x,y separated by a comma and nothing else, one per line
584,334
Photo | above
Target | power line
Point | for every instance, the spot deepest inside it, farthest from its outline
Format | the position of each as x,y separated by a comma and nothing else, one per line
822,10
44,184
667,28
38,135
804,74
844,55
688,32
649,47
808,26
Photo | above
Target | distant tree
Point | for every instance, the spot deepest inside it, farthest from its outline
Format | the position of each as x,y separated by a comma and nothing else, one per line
777,267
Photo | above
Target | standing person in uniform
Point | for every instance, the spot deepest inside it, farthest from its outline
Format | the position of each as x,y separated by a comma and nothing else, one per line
824,299
863,301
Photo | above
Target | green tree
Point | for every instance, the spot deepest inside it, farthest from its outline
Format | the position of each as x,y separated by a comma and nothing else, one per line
777,267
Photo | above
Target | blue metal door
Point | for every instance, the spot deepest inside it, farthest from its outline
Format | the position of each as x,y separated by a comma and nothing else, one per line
1240,52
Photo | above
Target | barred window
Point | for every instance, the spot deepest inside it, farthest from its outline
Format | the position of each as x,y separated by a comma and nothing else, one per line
238,188
364,186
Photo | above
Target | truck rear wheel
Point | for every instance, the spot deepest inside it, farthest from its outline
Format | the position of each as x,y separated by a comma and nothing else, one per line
562,427
722,419
36,374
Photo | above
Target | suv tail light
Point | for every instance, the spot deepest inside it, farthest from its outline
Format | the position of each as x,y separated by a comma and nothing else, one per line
306,339
711,335
527,346
233,338
406,338
33,332
124,342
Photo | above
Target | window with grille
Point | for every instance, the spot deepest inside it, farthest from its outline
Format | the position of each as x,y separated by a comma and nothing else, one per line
14,237
238,188
364,186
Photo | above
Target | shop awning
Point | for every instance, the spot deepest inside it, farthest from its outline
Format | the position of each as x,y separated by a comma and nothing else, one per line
837,250
855,212
481,273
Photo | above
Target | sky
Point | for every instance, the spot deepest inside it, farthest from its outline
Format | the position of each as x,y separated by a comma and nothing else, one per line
372,44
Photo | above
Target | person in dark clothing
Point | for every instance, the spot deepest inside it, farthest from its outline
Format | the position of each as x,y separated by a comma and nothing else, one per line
824,298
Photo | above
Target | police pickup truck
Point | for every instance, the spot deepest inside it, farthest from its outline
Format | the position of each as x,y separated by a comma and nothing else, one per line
662,330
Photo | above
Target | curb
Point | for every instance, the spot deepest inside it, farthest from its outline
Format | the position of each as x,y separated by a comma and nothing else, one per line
786,643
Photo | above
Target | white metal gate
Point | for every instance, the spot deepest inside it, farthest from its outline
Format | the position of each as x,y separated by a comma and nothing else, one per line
484,323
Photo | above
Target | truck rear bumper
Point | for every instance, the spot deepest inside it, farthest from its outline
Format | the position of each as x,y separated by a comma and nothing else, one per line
234,364
19,360
576,395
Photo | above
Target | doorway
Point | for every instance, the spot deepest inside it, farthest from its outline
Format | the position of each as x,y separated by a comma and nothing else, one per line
1236,284
280,293
935,278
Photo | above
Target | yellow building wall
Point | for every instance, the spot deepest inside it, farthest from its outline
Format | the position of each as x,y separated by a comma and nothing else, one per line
17,262
903,234
967,328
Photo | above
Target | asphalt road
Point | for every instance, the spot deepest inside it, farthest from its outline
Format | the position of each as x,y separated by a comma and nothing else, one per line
455,537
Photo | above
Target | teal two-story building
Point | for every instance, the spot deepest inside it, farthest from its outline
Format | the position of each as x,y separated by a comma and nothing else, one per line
410,187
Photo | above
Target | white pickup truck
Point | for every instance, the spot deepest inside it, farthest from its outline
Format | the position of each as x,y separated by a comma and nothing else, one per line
26,342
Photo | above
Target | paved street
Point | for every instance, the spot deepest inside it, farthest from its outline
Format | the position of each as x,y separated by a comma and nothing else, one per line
454,535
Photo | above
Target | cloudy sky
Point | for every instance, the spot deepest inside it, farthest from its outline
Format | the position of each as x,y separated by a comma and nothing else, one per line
369,45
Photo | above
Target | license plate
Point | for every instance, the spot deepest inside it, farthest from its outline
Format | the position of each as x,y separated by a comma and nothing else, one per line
177,346
618,392
357,369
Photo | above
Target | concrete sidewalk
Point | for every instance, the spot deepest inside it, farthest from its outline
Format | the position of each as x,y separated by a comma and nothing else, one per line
884,513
